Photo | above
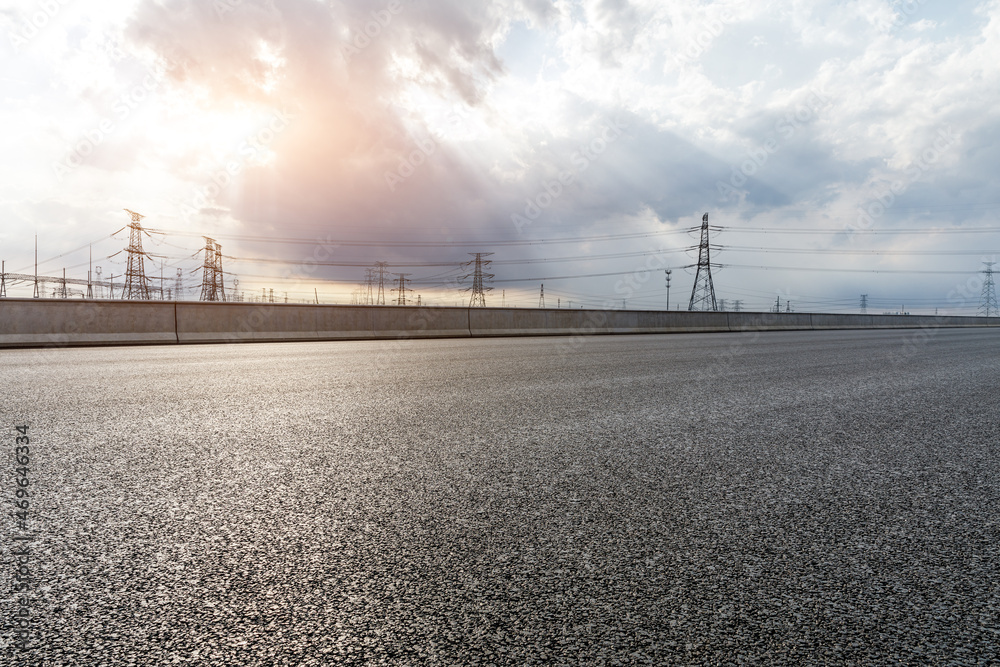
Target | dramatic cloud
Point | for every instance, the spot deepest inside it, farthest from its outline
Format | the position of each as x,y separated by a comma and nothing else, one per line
517,120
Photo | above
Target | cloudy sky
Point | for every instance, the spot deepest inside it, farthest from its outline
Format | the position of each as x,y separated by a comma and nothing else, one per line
839,148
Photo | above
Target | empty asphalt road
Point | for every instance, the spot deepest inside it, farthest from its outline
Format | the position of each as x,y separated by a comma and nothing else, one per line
771,498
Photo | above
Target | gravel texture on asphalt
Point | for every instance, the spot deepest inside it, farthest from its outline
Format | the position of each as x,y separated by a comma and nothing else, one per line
724,499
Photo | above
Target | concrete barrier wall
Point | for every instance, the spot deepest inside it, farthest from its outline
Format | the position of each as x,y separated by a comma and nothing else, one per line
417,321
58,322
770,321
825,321
249,322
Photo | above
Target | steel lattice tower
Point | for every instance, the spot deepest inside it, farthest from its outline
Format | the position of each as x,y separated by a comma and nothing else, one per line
369,285
136,283
212,286
220,283
988,300
703,292
380,295
402,289
864,304
477,275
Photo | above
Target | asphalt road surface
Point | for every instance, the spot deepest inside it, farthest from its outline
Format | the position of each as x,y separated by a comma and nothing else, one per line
756,498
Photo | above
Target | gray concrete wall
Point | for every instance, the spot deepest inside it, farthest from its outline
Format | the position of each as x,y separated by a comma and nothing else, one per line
250,322
58,322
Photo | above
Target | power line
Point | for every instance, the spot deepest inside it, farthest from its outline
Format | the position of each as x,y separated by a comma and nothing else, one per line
850,230
849,251
433,244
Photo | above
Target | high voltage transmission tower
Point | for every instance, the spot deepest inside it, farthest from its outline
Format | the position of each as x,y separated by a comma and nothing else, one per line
136,283
369,297
402,289
478,291
703,292
212,286
380,267
988,300
864,304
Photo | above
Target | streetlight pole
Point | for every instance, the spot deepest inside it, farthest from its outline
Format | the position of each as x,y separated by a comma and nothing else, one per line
668,272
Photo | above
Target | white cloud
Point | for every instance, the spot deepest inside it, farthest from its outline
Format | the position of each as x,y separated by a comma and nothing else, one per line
430,116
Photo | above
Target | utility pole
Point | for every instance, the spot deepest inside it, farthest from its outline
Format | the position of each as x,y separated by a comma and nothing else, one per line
3,279
177,288
36,267
541,297
136,283
90,272
478,290
668,272
988,300
777,304
703,291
